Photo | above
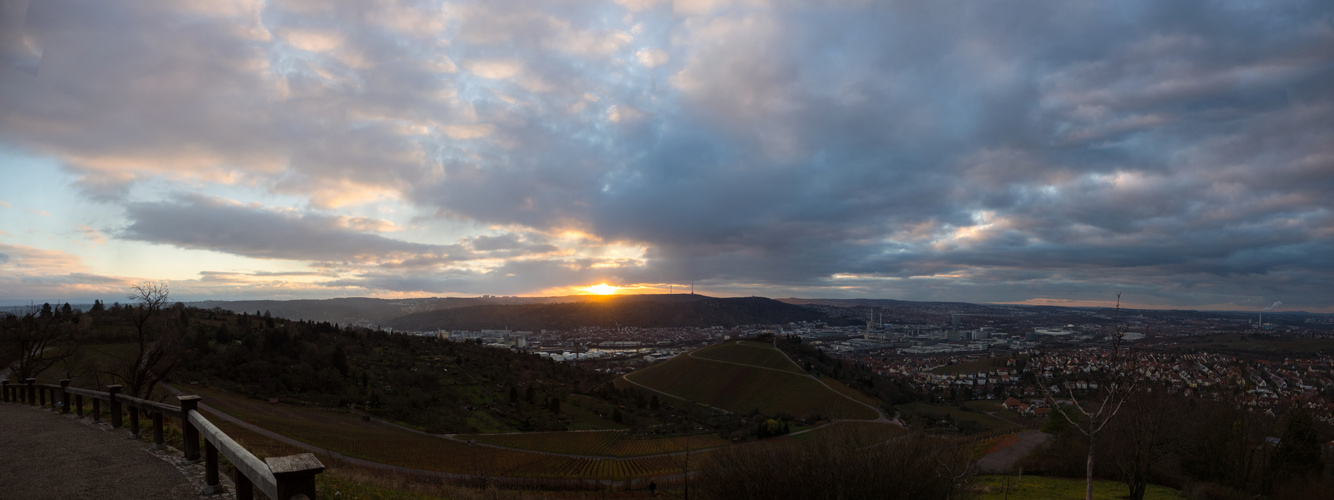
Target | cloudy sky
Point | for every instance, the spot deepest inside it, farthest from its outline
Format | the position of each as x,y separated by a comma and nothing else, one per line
1181,153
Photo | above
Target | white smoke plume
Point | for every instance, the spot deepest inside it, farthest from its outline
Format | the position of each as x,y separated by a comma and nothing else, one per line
1276,304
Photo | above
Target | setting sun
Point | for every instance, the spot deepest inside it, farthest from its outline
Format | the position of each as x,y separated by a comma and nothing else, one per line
602,289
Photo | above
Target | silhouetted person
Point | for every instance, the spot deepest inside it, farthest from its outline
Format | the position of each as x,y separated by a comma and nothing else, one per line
653,488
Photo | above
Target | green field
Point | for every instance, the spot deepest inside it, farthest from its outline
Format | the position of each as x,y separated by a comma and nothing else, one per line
750,353
874,430
349,435
981,365
714,377
834,384
959,415
1044,488
604,443
1264,345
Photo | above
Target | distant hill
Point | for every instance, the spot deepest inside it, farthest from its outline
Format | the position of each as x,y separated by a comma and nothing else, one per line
354,310
740,377
677,310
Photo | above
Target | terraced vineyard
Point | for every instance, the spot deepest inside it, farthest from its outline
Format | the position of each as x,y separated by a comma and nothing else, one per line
749,353
720,376
735,376
608,444
350,436
874,430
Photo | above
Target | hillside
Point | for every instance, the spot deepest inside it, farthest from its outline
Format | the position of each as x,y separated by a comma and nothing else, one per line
744,376
361,310
678,310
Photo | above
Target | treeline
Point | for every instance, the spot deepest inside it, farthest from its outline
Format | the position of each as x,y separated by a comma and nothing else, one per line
1209,449
437,385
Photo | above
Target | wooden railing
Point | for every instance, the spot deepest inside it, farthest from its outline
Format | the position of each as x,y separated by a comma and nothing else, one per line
279,478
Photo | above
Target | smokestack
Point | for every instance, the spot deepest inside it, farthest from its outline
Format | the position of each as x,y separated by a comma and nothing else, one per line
1271,307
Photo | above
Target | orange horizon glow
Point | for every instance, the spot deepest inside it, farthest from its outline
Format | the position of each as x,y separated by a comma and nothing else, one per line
602,289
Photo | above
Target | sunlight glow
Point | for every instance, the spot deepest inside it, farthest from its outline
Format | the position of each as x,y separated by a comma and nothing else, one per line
602,289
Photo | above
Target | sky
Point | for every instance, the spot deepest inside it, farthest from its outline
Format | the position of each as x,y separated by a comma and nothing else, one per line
1180,153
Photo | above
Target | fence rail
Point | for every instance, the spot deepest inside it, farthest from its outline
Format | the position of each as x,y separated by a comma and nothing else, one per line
279,478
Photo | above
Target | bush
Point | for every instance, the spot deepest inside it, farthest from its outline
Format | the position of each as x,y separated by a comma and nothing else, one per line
848,464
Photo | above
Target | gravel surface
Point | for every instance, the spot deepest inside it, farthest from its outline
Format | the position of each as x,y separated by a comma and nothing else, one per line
1003,460
45,455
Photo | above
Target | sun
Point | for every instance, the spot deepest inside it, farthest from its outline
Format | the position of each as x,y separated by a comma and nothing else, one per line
602,289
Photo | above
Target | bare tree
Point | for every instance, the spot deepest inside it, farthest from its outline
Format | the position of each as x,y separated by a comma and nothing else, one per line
38,341
955,464
1090,412
155,338
1144,436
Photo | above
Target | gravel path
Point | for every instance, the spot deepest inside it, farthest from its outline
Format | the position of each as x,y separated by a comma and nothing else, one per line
1003,460
45,455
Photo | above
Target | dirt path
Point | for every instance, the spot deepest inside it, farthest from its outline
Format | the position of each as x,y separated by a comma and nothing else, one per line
1003,460
45,455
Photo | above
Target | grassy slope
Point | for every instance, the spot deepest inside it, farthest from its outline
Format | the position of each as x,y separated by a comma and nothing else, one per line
877,430
611,443
1043,488
348,435
739,388
750,353
981,365
959,415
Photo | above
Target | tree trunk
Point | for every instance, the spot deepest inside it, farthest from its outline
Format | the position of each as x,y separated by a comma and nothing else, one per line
1088,485
1137,491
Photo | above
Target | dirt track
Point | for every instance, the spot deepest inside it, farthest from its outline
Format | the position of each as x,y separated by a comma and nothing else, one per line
1003,460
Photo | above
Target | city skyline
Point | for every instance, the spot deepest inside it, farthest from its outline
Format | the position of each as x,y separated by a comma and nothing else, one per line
1006,152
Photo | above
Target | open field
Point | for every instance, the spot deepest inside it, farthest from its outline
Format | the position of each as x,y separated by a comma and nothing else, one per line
848,391
349,435
750,353
1044,488
959,415
875,430
718,380
1263,345
981,365
608,444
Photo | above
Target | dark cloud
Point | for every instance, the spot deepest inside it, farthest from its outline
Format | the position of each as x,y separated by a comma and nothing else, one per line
204,223
1184,152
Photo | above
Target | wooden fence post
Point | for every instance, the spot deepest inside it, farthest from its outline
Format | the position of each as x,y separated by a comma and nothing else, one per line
114,390
190,433
41,397
5,384
295,474
157,430
78,403
245,489
97,410
211,485
134,422
32,391
64,396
